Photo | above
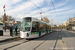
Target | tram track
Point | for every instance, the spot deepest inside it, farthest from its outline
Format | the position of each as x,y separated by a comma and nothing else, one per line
68,43
15,45
22,41
11,40
44,41
63,42
40,44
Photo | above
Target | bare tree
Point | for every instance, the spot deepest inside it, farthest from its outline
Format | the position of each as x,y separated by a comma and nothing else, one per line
6,18
45,19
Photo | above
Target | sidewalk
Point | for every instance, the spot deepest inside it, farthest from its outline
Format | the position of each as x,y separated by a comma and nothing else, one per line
71,31
6,36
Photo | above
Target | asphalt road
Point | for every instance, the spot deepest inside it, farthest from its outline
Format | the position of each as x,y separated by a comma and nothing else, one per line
69,39
59,40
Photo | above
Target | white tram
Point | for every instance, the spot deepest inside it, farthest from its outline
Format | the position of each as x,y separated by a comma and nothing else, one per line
33,28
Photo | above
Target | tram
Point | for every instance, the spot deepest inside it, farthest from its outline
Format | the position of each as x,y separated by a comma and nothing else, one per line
33,28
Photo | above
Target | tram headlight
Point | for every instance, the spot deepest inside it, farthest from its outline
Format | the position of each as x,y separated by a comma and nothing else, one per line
27,34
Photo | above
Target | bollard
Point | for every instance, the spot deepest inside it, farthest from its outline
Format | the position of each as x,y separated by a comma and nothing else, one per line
1,29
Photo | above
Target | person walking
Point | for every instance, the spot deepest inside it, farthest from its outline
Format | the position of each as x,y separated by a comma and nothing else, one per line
11,31
16,30
4,28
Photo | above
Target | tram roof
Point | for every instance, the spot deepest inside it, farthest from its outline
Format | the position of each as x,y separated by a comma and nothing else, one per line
36,19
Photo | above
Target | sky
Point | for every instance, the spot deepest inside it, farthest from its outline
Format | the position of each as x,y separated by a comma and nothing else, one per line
19,9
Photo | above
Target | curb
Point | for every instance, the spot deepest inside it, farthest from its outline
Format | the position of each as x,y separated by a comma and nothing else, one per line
9,39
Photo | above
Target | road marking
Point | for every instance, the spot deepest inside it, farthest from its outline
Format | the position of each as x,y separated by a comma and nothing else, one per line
64,45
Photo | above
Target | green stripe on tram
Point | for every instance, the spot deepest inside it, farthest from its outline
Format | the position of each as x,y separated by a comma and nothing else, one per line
43,31
32,33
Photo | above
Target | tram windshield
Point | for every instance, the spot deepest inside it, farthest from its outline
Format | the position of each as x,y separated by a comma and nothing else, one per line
26,24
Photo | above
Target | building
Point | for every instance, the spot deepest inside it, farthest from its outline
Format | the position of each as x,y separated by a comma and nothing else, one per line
70,24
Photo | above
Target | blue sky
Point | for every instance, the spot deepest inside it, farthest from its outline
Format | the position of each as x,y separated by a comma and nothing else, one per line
19,9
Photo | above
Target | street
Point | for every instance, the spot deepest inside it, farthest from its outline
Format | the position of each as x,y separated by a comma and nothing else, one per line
58,40
37,24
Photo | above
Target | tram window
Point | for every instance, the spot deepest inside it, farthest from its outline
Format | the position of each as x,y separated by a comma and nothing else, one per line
42,27
48,27
22,27
34,26
27,28
27,19
26,24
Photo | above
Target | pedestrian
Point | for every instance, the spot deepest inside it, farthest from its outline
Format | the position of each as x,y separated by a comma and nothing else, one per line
4,28
11,31
16,30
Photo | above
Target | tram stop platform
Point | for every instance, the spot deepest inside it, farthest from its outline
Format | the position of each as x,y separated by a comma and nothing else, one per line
6,36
